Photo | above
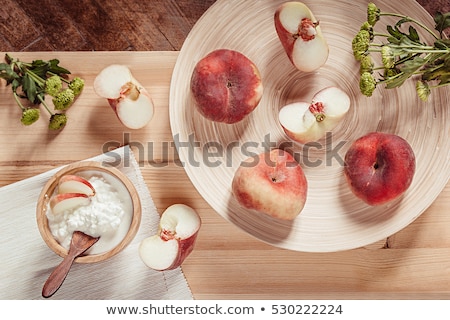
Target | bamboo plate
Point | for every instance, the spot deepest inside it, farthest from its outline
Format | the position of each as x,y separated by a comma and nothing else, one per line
130,223
333,218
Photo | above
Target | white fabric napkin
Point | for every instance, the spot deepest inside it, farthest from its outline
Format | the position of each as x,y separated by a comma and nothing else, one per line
26,261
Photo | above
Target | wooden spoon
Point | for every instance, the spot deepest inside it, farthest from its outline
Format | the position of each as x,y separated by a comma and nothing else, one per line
79,244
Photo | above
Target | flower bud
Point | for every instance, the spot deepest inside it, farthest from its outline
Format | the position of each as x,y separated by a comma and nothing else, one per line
366,64
53,85
423,90
57,121
367,84
387,57
64,99
77,85
373,13
30,116
360,44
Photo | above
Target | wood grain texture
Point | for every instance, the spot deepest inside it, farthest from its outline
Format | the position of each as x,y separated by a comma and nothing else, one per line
113,25
100,25
227,263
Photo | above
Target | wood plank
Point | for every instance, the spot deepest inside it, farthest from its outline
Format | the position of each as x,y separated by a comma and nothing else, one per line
132,23
51,22
430,230
102,25
90,118
271,273
241,266
19,30
113,25
227,262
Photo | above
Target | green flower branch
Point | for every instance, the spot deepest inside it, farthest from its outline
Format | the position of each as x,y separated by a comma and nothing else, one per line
33,81
403,54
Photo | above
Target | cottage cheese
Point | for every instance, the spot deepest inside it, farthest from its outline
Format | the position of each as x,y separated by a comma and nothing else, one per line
108,216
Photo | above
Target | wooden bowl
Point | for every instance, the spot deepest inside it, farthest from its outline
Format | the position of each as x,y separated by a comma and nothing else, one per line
81,168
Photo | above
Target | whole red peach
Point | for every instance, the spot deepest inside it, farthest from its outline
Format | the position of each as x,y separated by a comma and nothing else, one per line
379,167
226,86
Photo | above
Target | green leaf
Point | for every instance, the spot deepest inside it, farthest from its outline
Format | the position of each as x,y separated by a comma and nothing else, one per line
15,84
402,21
397,81
413,35
38,63
411,66
41,68
394,40
4,67
41,71
7,73
55,68
442,44
438,70
446,59
29,87
442,22
397,34
407,70
445,79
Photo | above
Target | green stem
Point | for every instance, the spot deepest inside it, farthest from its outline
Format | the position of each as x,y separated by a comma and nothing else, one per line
436,67
374,50
411,57
44,104
398,75
410,20
424,51
62,78
36,78
376,34
412,46
439,85
19,103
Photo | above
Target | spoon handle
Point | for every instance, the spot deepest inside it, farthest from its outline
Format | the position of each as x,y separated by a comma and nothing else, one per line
57,277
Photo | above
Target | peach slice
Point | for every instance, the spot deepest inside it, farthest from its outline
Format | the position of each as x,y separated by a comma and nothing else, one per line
75,184
62,202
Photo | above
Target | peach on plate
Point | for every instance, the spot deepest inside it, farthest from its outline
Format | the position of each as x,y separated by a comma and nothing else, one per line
226,86
301,36
272,183
379,167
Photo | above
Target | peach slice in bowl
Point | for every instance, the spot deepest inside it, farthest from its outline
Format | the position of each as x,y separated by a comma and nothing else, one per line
89,197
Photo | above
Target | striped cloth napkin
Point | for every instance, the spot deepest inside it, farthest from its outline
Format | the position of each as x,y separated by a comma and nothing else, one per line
26,261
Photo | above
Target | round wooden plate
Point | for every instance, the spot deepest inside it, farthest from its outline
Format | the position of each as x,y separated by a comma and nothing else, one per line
333,218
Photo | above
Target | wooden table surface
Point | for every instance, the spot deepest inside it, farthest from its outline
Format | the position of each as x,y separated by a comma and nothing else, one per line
227,263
